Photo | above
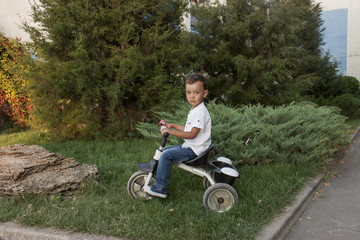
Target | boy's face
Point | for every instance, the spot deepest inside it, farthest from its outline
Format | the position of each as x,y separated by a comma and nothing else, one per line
195,93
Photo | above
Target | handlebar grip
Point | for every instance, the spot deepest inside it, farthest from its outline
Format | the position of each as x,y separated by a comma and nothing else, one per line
165,136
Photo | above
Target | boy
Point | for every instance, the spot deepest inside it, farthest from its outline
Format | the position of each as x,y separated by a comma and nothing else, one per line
196,134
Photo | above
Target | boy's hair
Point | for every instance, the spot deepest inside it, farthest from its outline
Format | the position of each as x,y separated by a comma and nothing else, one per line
197,77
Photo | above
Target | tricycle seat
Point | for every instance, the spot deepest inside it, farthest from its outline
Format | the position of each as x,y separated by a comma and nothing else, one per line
201,159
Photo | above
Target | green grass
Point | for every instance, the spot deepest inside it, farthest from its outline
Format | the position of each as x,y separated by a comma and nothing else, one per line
104,207
353,124
21,136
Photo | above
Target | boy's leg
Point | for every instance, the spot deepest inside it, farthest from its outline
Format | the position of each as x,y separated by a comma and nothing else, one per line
171,155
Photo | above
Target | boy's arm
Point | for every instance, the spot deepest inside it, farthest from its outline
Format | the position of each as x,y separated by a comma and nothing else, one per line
176,126
181,134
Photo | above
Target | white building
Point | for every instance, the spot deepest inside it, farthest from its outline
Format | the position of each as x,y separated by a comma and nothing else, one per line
342,35
341,19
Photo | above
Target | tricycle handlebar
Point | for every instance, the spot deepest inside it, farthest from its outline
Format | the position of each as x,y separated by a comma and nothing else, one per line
165,136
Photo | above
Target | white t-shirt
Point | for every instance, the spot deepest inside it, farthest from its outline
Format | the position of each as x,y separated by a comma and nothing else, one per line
198,117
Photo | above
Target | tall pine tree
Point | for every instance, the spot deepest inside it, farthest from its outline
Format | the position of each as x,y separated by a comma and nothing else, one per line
104,62
258,51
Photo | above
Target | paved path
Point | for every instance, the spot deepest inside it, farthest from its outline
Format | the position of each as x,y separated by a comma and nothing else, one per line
335,213
12,231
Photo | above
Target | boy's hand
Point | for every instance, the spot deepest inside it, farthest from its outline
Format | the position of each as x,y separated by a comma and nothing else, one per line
164,130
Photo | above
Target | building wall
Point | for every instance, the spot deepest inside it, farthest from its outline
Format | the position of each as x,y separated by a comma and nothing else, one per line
336,35
342,37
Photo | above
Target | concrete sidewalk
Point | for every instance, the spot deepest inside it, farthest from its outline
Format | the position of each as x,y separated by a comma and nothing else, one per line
335,213
285,225
12,231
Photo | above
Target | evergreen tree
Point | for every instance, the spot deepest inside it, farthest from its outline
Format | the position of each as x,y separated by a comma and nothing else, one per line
258,51
104,62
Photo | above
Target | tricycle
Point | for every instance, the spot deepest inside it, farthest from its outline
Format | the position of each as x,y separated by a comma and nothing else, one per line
218,177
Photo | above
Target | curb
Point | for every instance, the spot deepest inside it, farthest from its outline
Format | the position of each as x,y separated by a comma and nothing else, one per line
13,231
281,225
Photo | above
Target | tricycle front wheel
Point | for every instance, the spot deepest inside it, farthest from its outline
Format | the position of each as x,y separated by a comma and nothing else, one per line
136,183
220,197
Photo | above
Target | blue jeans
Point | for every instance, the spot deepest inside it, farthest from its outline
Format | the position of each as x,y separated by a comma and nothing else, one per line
171,155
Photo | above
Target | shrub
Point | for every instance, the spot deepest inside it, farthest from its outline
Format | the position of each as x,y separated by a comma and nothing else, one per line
15,100
295,133
344,93
349,104
344,85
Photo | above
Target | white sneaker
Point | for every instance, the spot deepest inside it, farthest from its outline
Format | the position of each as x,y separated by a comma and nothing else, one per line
148,190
